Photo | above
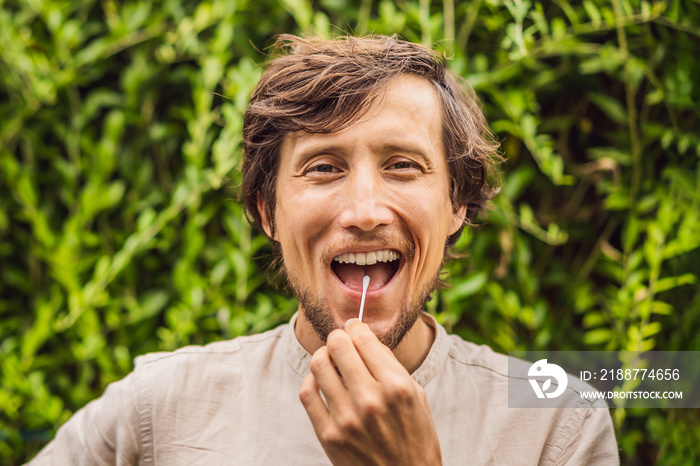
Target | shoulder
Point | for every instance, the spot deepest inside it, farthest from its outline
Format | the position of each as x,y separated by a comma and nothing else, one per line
571,429
480,358
226,347
501,369
195,366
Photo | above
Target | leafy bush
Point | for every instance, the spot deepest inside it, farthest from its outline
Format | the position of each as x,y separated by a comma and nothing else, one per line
119,169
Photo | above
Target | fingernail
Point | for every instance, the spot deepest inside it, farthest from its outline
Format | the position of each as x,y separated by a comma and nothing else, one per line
348,322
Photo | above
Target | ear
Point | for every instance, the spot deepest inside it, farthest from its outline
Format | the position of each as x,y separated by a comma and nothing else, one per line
458,217
265,220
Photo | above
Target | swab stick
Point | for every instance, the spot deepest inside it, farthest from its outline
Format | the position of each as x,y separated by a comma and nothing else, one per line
365,285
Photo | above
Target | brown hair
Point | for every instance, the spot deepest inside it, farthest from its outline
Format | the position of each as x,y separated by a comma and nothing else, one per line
322,86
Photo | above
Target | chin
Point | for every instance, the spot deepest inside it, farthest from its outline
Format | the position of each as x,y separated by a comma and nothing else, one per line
324,321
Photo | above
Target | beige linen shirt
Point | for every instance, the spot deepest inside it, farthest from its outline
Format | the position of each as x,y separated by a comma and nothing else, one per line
236,403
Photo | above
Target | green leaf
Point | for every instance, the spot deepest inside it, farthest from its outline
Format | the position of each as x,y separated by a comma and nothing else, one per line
660,307
669,283
465,288
651,329
610,106
597,336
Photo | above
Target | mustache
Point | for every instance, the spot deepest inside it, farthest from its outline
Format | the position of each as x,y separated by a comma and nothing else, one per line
390,240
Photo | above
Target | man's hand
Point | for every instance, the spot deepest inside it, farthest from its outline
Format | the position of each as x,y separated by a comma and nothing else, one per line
379,415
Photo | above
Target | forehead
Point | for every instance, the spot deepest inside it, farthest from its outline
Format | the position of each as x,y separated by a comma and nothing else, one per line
407,113
411,95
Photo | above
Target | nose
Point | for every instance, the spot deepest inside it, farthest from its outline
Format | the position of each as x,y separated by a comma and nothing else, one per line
365,202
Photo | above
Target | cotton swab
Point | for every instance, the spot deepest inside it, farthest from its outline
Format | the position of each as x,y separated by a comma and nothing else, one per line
365,285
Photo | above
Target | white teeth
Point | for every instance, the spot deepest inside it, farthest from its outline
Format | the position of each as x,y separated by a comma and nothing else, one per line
369,258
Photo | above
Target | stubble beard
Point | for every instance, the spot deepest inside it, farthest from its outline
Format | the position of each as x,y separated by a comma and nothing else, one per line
316,312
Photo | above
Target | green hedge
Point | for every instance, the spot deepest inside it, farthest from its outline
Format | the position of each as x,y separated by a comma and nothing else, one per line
120,150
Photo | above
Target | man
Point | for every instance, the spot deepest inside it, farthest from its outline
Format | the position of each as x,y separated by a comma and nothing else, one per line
363,157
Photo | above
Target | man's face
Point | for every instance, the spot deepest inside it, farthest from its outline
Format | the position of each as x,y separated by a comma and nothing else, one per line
372,199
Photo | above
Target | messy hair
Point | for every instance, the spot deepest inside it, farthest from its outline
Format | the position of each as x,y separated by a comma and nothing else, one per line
322,86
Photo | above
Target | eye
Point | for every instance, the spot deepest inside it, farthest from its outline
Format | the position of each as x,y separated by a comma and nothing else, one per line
404,168
403,165
323,168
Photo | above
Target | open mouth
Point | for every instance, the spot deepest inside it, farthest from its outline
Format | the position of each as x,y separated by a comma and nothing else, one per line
380,266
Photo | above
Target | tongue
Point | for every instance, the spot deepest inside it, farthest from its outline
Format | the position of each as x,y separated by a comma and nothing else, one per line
351,274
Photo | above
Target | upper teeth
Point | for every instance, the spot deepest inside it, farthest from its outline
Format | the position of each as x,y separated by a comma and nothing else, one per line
367,258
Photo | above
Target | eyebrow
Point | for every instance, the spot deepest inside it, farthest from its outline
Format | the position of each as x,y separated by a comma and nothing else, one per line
314,148
404,148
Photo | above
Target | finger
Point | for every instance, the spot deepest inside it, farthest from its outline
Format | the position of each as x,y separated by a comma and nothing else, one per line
351,366
313,403
327,378
378,358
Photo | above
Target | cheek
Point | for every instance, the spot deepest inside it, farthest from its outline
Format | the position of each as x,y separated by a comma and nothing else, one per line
427,213
301,220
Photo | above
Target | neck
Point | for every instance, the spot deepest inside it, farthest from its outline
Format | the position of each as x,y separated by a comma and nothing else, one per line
411,352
